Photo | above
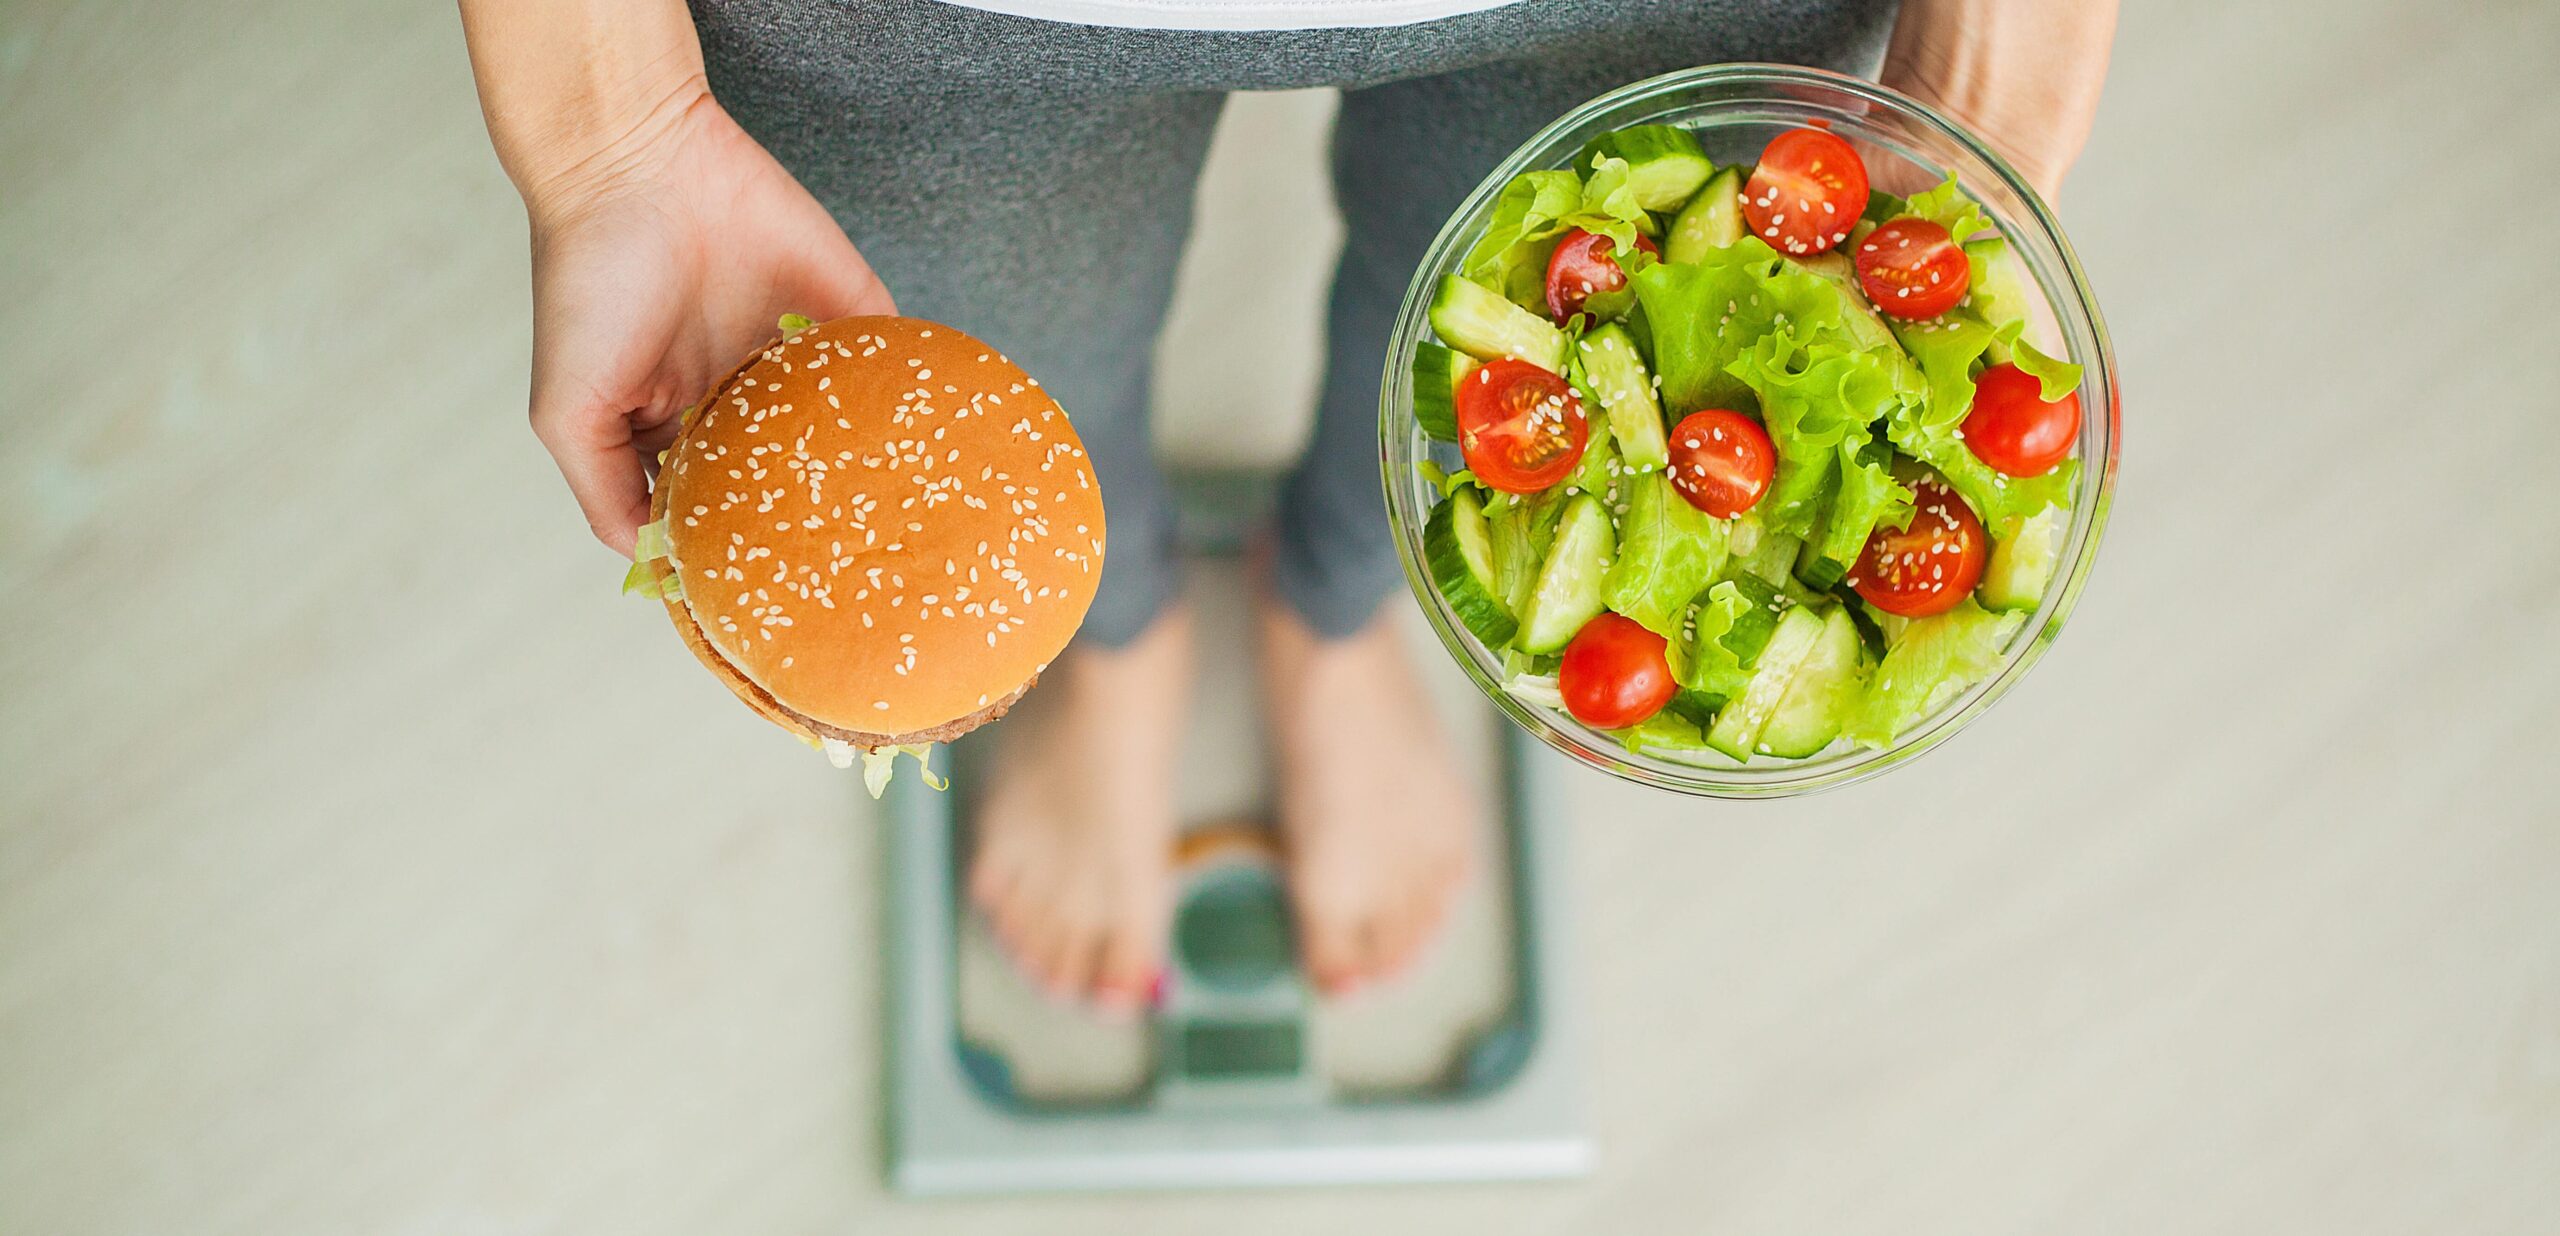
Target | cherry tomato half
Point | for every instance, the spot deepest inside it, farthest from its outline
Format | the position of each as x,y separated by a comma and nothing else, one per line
1721,461
1614,674
1928,567
1582,268
1912,269
1520,427
2013,429
1807,192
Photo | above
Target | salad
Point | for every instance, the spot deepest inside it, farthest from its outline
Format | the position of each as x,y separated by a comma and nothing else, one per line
1755,460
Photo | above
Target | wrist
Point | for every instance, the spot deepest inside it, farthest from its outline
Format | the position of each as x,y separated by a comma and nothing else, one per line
2024,74
573,165
580,93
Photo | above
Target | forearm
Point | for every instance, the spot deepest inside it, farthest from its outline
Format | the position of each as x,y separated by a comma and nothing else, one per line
2025,73
572,88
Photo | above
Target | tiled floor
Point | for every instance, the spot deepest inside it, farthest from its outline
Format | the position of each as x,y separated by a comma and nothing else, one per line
367,865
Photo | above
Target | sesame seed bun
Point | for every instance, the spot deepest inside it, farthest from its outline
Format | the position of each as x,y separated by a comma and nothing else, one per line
882,530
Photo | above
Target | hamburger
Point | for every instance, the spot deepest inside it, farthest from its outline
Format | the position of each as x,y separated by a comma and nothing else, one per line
877,531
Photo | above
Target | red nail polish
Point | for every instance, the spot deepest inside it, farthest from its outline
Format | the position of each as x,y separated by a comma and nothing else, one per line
1155,990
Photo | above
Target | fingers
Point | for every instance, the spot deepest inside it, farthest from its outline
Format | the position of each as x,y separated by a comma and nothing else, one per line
599,459
840,283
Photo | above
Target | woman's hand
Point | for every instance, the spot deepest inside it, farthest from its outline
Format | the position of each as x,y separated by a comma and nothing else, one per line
666,242
2023,73
655,270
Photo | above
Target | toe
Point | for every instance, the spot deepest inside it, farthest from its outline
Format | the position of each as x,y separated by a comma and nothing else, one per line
1125,966
1332,947
1399,936
1069,968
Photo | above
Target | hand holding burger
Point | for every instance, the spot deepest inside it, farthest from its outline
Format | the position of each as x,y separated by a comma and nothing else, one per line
877,532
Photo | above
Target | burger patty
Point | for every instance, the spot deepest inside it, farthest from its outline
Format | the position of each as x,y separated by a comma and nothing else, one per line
944,732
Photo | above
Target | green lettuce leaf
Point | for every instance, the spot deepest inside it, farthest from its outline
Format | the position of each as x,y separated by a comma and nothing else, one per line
1705,315
1949,207
1806,477
880,764
1707,663
1814,400
2058,377
1536,208
642,579
1609,208
1511,256
1868,495
1946,349
651,541
1668,552
1442,479
1996,497
2000,290
1666,733
794,323
1932,661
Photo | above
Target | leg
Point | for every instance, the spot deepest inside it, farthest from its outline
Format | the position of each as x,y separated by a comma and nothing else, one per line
1377,819
1050,228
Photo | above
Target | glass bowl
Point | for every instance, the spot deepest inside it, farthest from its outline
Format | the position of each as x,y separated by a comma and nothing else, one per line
1735,109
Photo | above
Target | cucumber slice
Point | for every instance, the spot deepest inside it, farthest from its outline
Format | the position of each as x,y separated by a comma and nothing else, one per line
1738,724
1459,549
1481,323
1695,707
1744,537
1769,558
1826,686
2022,563
1870,631
1567,593
1711,220
1813,570
1625,388
1664,162
1597,474
1437,370
1515,559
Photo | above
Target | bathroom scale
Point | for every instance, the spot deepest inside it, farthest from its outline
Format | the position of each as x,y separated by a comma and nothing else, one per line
1464,1068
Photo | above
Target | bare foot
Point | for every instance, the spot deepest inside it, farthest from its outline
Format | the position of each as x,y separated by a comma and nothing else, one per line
1074,836
1378,824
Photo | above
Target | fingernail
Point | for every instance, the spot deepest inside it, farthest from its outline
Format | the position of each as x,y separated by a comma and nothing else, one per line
1155,989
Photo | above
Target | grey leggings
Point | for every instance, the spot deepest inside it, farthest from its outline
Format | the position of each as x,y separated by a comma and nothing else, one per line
1031,182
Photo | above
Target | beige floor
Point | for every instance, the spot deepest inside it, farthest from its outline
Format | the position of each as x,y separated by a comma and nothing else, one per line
368,866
